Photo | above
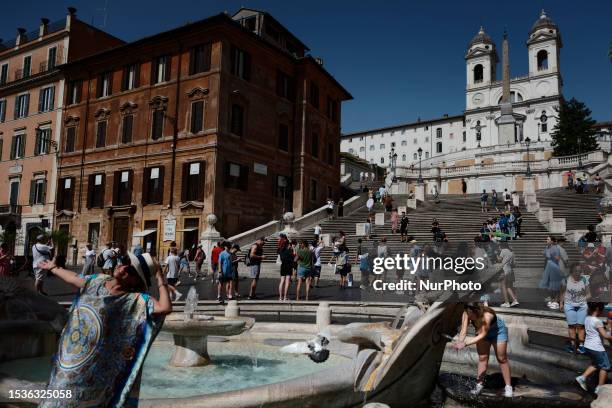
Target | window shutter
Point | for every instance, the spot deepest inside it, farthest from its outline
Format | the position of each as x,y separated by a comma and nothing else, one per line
130,184
207,49
110,83
59,196
201,180
13,147
160,191
32,191
154,68
185,182
2,111
27,105
168,67
71,194
103,192
41,100
79,90
146,176
16,110
125,77
37,142
90,191
52,98
44,192
136,75
247,66
116,180
192,61
22,145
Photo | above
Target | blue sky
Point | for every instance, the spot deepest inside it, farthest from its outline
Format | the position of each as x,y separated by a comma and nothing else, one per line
400,59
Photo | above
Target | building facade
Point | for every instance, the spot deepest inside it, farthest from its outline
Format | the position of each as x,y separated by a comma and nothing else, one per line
534,98
228,115
31,95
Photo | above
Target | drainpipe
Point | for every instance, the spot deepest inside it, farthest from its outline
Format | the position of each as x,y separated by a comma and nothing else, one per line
175,126
303,150
84,139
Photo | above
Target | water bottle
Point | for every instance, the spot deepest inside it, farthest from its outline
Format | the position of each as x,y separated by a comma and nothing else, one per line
350,280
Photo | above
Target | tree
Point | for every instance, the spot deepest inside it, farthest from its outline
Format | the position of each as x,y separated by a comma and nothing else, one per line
574,123
61,239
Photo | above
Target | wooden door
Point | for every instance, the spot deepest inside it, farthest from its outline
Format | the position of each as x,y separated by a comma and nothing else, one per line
121,228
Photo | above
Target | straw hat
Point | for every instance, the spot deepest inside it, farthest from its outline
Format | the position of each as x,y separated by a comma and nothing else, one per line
145,265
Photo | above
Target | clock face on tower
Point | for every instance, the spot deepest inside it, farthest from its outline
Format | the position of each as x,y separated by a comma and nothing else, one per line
478,98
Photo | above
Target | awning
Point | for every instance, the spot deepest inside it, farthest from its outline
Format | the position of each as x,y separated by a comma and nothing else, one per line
186,230
145,232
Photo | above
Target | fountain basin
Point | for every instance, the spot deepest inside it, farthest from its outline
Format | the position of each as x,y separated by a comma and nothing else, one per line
190,334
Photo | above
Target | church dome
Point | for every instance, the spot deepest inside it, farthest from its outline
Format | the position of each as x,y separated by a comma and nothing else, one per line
481,38
543,22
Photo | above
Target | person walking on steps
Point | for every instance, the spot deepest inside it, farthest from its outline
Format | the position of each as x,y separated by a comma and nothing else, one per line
484,201
255,257
404,227
464,188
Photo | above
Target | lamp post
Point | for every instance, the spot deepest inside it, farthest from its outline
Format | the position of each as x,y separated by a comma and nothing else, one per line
543,119
420,179
478,134
580,152
392,162
527,143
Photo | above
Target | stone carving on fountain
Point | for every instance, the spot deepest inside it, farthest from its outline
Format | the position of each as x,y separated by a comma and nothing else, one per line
288,221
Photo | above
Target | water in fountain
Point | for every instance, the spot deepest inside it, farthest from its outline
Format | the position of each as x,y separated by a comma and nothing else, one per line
249,343
191,303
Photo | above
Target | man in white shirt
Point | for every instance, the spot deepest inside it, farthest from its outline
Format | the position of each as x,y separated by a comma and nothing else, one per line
109,256
317,232
89,260
172,272
330,209
41,251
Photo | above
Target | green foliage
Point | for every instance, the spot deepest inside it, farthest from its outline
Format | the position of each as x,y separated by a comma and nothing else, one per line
8,237
61,239
574,123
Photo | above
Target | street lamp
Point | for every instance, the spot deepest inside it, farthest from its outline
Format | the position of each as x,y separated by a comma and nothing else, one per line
580,152
420,179
527,143
478,134
543,119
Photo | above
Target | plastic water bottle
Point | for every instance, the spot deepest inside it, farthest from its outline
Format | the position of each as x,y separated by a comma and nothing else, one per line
350,280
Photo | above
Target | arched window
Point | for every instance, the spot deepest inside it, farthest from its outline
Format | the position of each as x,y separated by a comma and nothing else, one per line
382,160
542,57
478,73
514,97
403,157
439,147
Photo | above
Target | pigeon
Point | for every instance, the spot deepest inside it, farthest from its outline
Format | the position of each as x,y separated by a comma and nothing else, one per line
315,348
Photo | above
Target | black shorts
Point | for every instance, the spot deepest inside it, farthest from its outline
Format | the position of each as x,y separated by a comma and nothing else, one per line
172,281
330,211
286,269
225,279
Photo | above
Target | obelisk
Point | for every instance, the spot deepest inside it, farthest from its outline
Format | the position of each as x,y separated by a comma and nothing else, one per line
506,122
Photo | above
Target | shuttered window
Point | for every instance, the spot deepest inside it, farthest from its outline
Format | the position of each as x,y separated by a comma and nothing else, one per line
236,176
38,190
197,116
17,146
131,77
105,84
122,187
74,92
46,98
126,128
2,110
193,181
22,106
241,63
153,185
160,71
199,59
42,142
157,124
283,137
96,190
101,134
70,139
65,193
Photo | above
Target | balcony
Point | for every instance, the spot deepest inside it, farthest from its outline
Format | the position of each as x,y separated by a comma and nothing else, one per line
43,68
10,213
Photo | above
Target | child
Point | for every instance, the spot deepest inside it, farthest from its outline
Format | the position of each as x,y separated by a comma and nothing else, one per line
594,347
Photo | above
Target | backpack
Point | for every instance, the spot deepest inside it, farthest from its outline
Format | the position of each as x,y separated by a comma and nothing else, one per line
247,257
100,259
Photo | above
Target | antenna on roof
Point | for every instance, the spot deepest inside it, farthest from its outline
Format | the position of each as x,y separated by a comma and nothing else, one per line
104,11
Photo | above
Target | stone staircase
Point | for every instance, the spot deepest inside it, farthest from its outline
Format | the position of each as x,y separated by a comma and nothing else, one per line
579,210
460,218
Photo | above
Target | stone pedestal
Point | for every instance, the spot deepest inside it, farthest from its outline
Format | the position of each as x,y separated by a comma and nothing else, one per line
379,219
323,316
419,192
411,203
360,229
528,185
190,351
209,239
232,309
288,220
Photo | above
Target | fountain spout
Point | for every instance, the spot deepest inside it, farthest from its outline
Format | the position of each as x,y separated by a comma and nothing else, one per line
191,303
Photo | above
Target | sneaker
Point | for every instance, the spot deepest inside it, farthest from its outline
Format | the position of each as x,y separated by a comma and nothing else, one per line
554,306
569,348
581,349
548,299
177,295
597,389
478,389
514,303
581,382
508,391
505,305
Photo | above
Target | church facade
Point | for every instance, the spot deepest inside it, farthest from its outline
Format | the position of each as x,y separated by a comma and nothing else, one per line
532,101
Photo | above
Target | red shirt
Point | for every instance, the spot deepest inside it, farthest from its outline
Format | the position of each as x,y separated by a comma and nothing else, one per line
214,256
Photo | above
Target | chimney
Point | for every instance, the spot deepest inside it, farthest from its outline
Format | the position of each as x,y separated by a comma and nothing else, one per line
20,36
446,115
44,27
319,60
70,17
